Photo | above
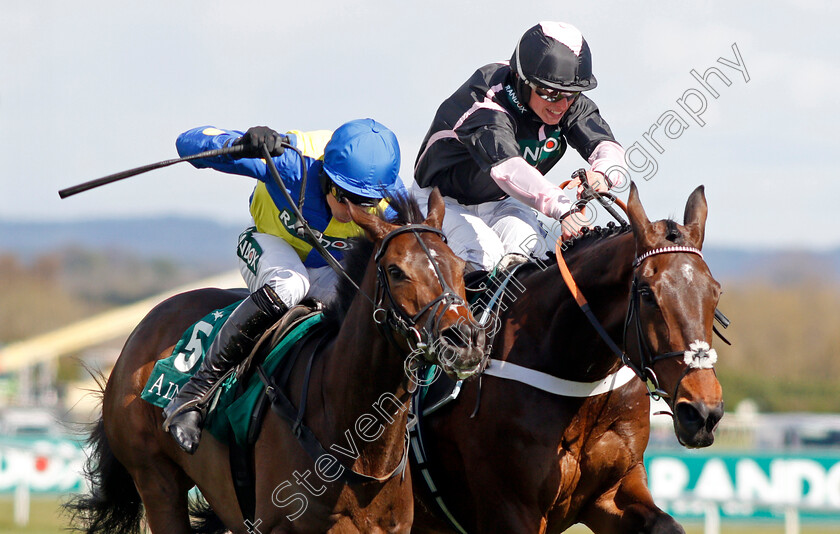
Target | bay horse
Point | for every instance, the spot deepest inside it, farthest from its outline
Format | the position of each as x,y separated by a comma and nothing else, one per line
357,402
533,461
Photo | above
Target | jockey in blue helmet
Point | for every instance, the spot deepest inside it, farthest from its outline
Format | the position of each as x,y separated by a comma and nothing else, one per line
359,162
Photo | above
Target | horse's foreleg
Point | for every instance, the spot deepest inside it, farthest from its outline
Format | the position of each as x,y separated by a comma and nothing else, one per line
164,487
629,507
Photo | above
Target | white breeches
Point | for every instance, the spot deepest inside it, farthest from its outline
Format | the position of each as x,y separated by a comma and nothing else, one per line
276,263
481,234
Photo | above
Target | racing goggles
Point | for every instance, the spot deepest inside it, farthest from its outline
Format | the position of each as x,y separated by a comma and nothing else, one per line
552,95
363,202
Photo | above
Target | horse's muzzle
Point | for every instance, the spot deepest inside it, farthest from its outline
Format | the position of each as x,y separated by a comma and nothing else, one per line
695,422
461,349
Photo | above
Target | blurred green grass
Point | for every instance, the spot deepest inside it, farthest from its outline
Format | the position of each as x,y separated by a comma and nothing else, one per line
45,516
739,528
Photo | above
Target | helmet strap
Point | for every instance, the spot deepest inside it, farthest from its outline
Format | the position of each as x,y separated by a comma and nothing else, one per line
325,182
523,90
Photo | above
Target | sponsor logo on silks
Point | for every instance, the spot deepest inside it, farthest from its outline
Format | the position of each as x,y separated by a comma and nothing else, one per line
248,249
535,151
289,219
511,93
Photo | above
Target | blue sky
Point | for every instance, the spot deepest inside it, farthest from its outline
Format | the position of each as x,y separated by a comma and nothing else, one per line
93,87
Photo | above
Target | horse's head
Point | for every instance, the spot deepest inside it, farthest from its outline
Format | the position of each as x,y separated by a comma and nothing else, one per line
673,306
421,293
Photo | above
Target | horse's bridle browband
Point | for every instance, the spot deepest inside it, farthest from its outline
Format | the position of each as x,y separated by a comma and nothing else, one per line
654,252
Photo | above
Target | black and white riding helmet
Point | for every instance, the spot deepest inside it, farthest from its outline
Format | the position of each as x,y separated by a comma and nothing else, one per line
553,55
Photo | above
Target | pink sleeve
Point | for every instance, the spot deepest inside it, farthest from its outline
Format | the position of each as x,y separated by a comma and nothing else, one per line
608,159
525,183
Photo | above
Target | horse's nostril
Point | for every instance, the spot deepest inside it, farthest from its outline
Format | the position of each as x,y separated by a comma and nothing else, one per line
460,335
698,416
714,417
691,415
479,337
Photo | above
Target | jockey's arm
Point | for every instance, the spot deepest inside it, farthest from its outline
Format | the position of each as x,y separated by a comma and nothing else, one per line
208,138
606,169
588,133
525,183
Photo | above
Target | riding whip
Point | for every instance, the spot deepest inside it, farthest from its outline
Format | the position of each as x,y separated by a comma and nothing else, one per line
69,191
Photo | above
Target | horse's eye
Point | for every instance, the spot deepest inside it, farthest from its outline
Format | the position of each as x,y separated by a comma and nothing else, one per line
647,295
395,273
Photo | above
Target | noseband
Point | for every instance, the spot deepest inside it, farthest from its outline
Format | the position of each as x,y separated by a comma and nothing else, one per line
395,317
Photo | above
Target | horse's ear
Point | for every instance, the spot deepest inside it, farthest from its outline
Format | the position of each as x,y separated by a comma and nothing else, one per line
374,227
694,219
642,229
437,209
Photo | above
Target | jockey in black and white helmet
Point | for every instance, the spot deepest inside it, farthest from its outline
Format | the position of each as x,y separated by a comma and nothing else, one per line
553,57
494,139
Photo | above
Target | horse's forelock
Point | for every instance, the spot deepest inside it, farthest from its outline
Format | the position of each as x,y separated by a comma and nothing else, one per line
406,208
672,232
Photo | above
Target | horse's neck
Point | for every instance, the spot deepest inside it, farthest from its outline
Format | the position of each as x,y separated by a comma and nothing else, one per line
364,385
560,338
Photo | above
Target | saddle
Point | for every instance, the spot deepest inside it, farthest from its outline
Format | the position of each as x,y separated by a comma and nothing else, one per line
238,402
232,398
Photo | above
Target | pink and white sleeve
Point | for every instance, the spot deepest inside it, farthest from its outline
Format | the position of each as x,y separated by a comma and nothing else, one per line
608,159
525,183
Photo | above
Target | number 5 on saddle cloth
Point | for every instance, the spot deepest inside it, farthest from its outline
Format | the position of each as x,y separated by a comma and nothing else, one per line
232,405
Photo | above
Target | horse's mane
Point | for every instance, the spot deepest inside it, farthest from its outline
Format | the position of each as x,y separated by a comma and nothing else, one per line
355,261
590,237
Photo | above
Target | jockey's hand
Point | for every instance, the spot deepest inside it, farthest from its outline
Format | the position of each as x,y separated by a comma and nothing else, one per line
596,180
571,225
255,137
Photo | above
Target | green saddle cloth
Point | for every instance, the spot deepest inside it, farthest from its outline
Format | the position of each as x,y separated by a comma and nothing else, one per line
229,415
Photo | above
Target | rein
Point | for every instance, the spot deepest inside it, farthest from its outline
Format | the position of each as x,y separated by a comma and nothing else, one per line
695,357
395,317
398,320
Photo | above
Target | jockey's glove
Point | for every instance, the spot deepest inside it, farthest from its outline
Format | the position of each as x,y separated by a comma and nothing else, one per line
255,137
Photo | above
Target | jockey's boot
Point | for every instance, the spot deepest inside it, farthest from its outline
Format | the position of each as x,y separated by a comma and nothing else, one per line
186,412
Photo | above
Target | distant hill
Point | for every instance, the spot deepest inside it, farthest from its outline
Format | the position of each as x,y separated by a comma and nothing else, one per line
201,244
776,267
208,246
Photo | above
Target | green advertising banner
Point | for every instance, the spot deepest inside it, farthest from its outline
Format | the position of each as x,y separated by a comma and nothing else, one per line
746,485
49,465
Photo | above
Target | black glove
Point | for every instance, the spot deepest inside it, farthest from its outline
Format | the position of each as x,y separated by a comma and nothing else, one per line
255,137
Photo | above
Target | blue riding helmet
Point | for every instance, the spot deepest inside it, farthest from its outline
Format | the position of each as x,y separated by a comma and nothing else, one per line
363,158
